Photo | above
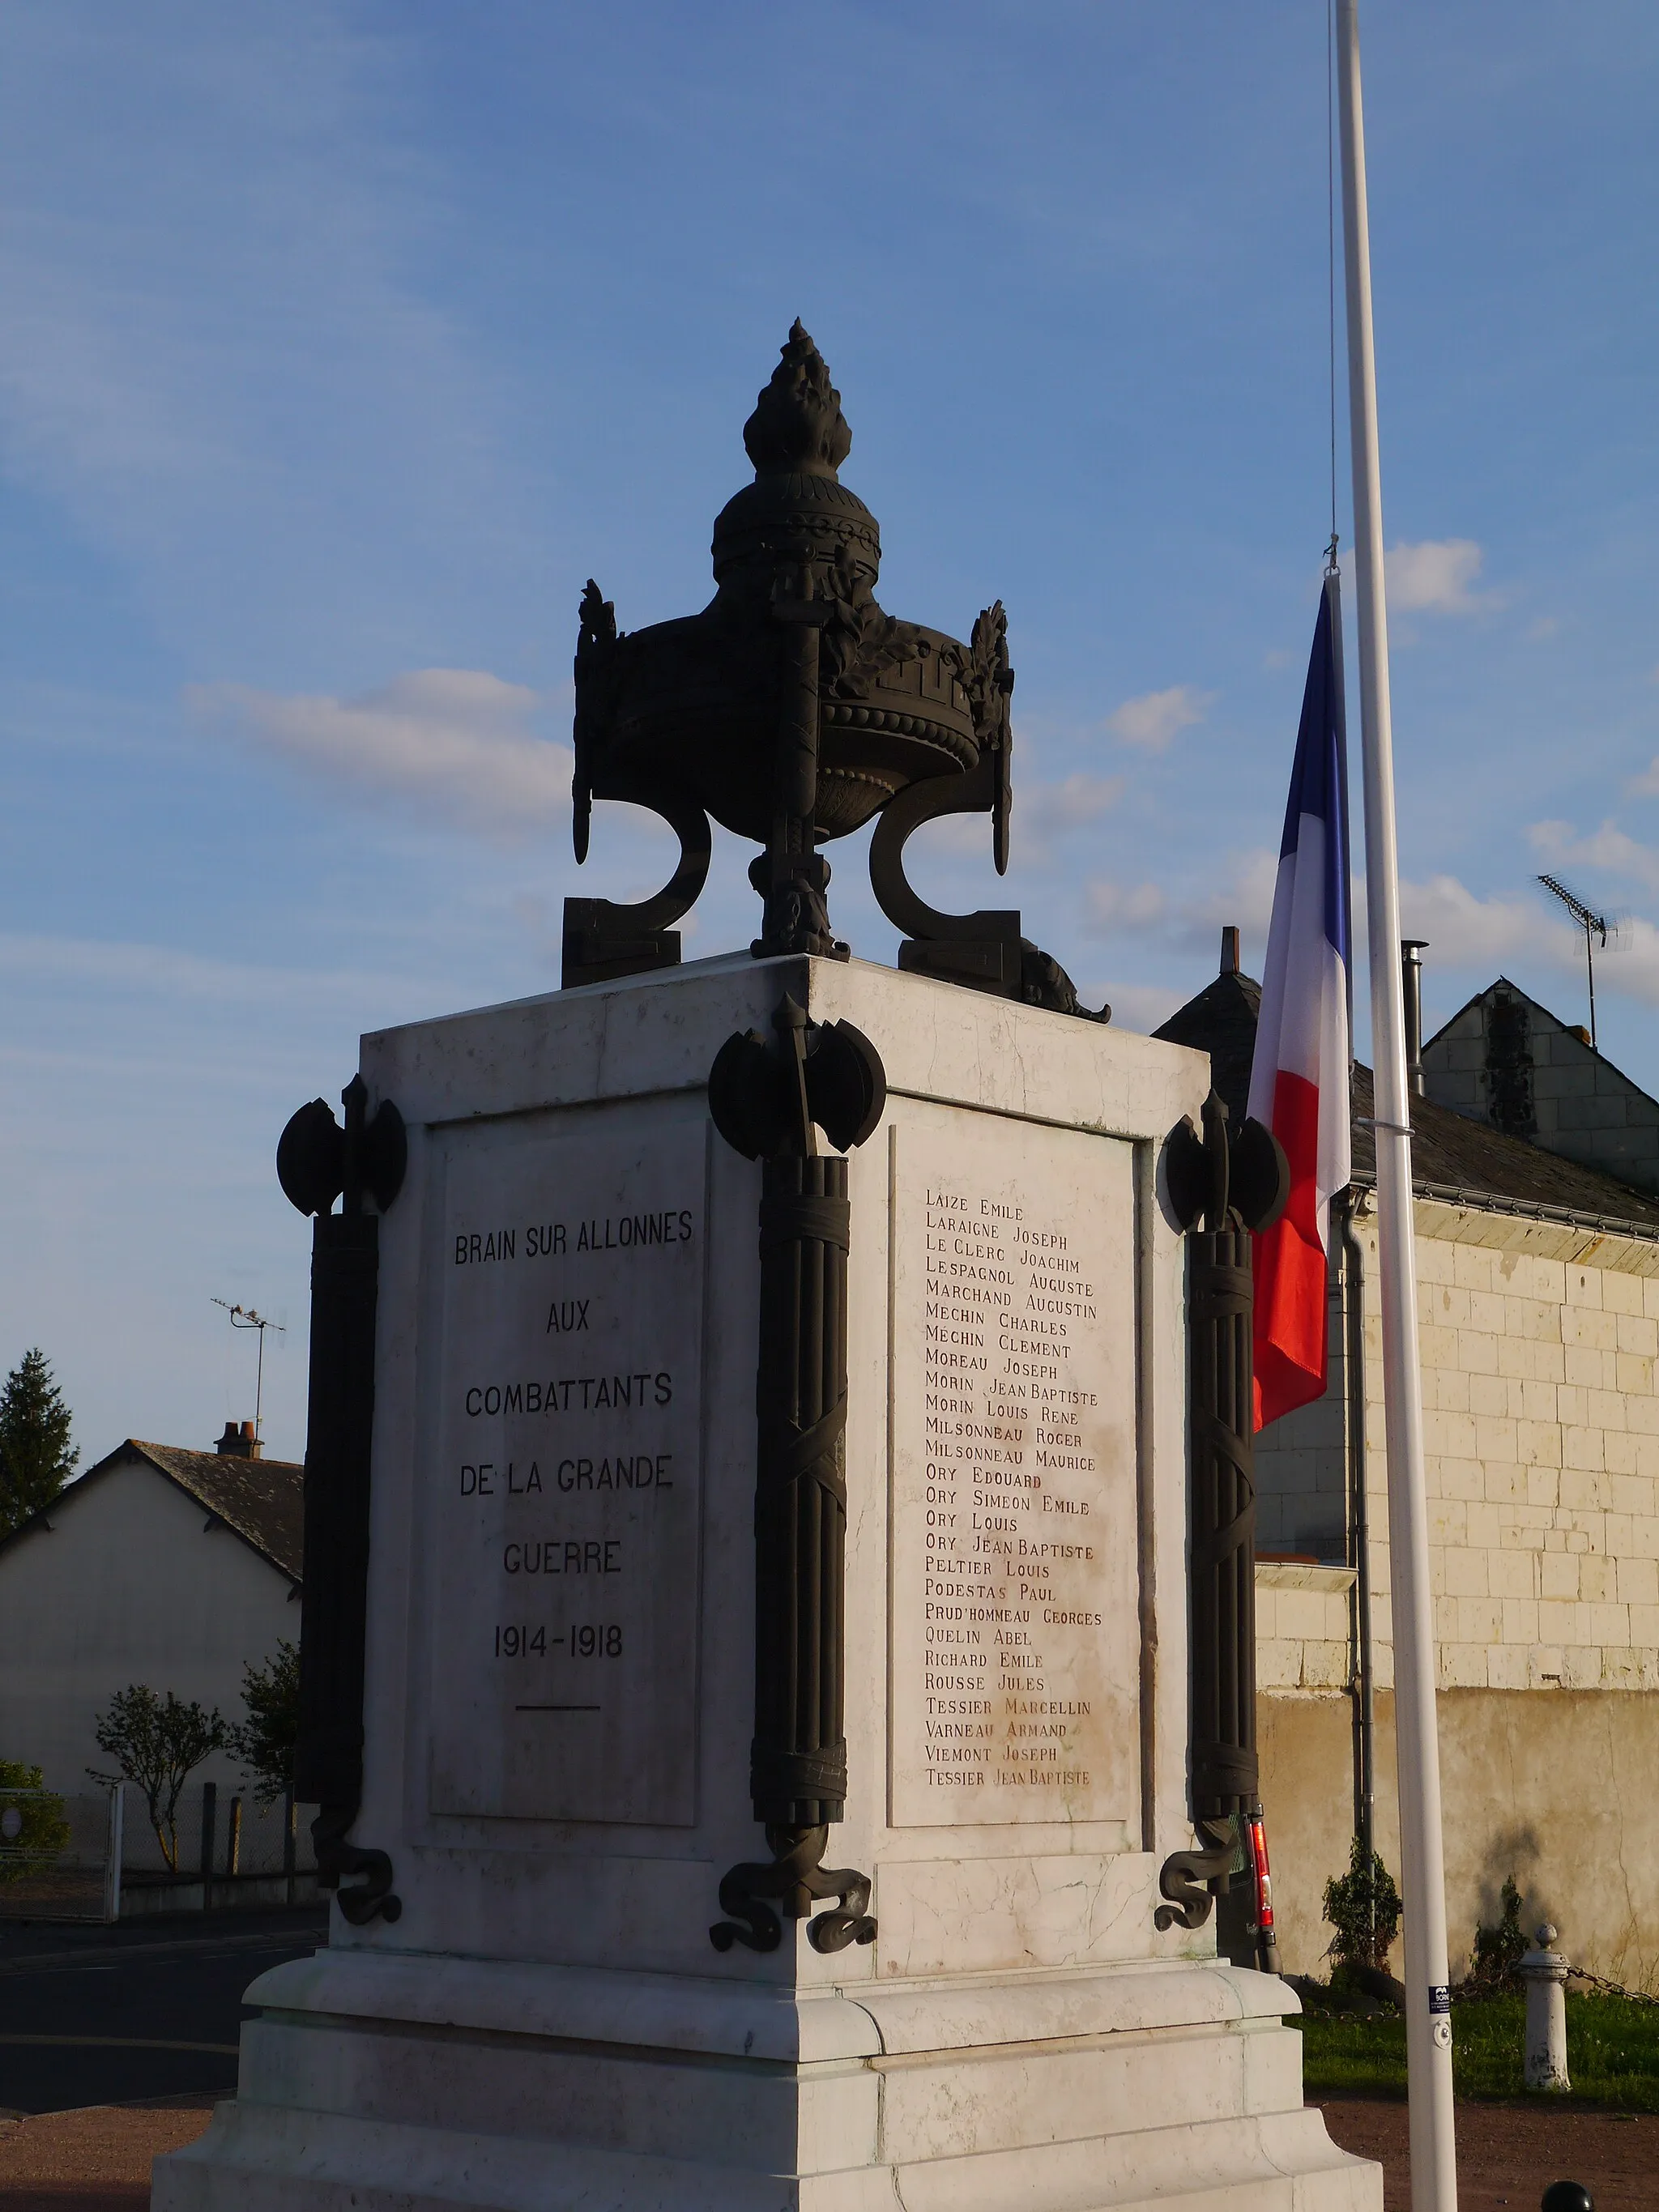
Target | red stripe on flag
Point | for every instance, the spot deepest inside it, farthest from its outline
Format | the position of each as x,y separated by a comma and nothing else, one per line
1289,1267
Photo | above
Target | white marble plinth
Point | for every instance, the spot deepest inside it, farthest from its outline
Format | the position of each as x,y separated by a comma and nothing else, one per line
381,2083
560,1642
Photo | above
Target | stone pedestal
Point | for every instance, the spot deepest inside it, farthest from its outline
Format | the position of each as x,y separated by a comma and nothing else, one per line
560,1655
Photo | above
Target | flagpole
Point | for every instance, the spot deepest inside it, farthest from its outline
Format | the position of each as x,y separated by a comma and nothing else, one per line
1428,2019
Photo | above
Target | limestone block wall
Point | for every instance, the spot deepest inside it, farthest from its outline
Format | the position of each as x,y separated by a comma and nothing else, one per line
1539,1345
1301,1484
1541,1425
1304,1626
1540,1078
1553,1788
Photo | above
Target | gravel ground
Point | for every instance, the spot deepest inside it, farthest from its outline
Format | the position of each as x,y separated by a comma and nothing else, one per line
1507,2154
93,2161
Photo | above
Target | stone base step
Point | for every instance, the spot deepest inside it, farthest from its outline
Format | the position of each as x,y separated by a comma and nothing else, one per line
263,2159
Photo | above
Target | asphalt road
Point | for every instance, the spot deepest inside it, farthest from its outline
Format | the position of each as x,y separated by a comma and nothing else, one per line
151,2007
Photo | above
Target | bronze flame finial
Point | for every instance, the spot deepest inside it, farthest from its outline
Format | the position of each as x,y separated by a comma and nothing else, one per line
797,427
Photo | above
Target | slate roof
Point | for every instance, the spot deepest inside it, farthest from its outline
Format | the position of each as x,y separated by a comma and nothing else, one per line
260,1500
1462,1161
1221,1021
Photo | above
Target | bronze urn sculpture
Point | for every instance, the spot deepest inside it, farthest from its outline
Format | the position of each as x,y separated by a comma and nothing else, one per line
792,709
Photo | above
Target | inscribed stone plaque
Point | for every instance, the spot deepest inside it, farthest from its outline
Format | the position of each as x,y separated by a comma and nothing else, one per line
564,1634
1016,1638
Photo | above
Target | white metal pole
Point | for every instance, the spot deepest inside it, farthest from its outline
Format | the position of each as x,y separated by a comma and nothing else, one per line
1428,2018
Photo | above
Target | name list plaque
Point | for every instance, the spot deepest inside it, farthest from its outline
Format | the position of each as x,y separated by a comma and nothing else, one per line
1016,1636
564,1635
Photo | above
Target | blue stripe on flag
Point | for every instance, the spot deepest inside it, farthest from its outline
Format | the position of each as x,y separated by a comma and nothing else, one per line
1318,780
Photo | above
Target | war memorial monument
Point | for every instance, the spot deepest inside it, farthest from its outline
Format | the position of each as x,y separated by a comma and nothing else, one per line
777,1668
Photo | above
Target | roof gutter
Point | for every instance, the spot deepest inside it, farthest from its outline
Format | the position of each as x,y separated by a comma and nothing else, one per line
1489,1201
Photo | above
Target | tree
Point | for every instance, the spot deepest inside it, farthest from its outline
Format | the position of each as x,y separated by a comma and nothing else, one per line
1363,1906
265,1742
156,1743
36,1456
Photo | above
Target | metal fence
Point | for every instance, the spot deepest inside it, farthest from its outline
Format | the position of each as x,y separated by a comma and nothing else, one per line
60,1856
218,1837
66,1856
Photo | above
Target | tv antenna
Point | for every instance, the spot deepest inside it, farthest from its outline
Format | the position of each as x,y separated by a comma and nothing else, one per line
1593,925
245,1317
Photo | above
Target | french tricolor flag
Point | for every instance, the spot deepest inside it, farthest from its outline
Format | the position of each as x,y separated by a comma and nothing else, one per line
1299,1075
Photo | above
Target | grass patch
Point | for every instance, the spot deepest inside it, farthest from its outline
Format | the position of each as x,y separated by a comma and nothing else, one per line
1613,2053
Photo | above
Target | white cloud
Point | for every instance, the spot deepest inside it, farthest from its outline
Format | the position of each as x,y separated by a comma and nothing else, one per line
1115,908
1244,897
1462,929
1645,785
1047,810
1156,718
1434,578
453,743
1488,935
133,969
1608,848
1137,1006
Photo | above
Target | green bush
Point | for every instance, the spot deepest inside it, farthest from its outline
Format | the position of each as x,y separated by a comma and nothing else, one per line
1363,1906
44,1834
1497,1951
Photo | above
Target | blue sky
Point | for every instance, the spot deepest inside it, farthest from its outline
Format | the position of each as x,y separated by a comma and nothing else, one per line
342,342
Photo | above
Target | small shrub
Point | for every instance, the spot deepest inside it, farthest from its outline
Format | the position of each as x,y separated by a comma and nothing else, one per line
43,1829
1497,1951
1363,1906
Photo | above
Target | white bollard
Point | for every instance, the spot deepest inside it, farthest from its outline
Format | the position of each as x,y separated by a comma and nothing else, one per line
1545,1972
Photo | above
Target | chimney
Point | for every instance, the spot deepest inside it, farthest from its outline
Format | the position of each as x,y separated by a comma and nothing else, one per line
238,1441
1412,950
1229,948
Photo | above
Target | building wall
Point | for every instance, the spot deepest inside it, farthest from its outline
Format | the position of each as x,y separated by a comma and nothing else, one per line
1302,1467
1553,1787
1539,1345
1529,1074
127,1585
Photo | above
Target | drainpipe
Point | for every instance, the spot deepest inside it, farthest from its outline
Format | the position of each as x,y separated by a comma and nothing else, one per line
1412,950
1353,1376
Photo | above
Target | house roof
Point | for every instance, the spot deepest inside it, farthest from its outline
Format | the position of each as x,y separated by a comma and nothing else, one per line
1221,1021
260,1500
1453,1157
263,1500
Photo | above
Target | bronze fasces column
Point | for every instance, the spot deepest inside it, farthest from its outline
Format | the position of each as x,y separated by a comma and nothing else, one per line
765,1102
317,1161
1219,1191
